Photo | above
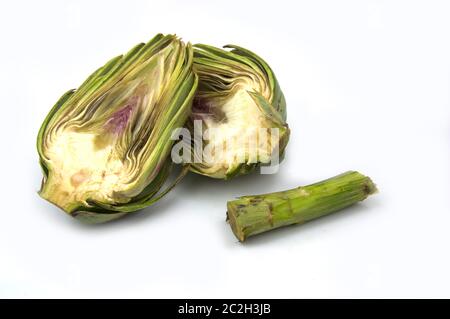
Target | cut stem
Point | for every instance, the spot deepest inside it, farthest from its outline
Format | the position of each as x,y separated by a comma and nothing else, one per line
251,215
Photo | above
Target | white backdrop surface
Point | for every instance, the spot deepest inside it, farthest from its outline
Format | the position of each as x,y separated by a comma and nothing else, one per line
368,88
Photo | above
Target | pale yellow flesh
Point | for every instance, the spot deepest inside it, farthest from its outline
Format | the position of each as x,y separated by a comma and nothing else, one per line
81,170
241,138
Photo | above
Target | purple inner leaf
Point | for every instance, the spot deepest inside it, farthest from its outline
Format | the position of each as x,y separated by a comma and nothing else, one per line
119,120
203,108
201,105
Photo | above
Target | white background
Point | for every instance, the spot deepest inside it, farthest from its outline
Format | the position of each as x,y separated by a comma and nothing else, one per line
368,88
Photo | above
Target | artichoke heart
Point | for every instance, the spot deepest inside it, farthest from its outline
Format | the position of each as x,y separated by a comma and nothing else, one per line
105,147
242,111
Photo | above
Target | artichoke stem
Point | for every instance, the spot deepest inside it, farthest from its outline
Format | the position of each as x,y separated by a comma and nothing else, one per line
251,215
57,195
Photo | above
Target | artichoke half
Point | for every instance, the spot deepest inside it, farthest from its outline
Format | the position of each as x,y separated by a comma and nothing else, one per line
239,102
105,147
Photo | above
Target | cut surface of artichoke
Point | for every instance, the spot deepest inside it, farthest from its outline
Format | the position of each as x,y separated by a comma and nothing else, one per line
106,147
239,102
82,171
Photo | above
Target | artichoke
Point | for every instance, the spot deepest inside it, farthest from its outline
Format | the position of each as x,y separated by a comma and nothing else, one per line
105,147
239,103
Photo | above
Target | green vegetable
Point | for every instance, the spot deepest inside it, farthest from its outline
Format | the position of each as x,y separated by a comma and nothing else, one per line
251,215
105,147
238,99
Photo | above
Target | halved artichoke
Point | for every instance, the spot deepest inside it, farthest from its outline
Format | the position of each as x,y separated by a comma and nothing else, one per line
105,147
239,103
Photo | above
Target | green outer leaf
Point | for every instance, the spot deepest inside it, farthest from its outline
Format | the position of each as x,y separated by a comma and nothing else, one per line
268,110
92,217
